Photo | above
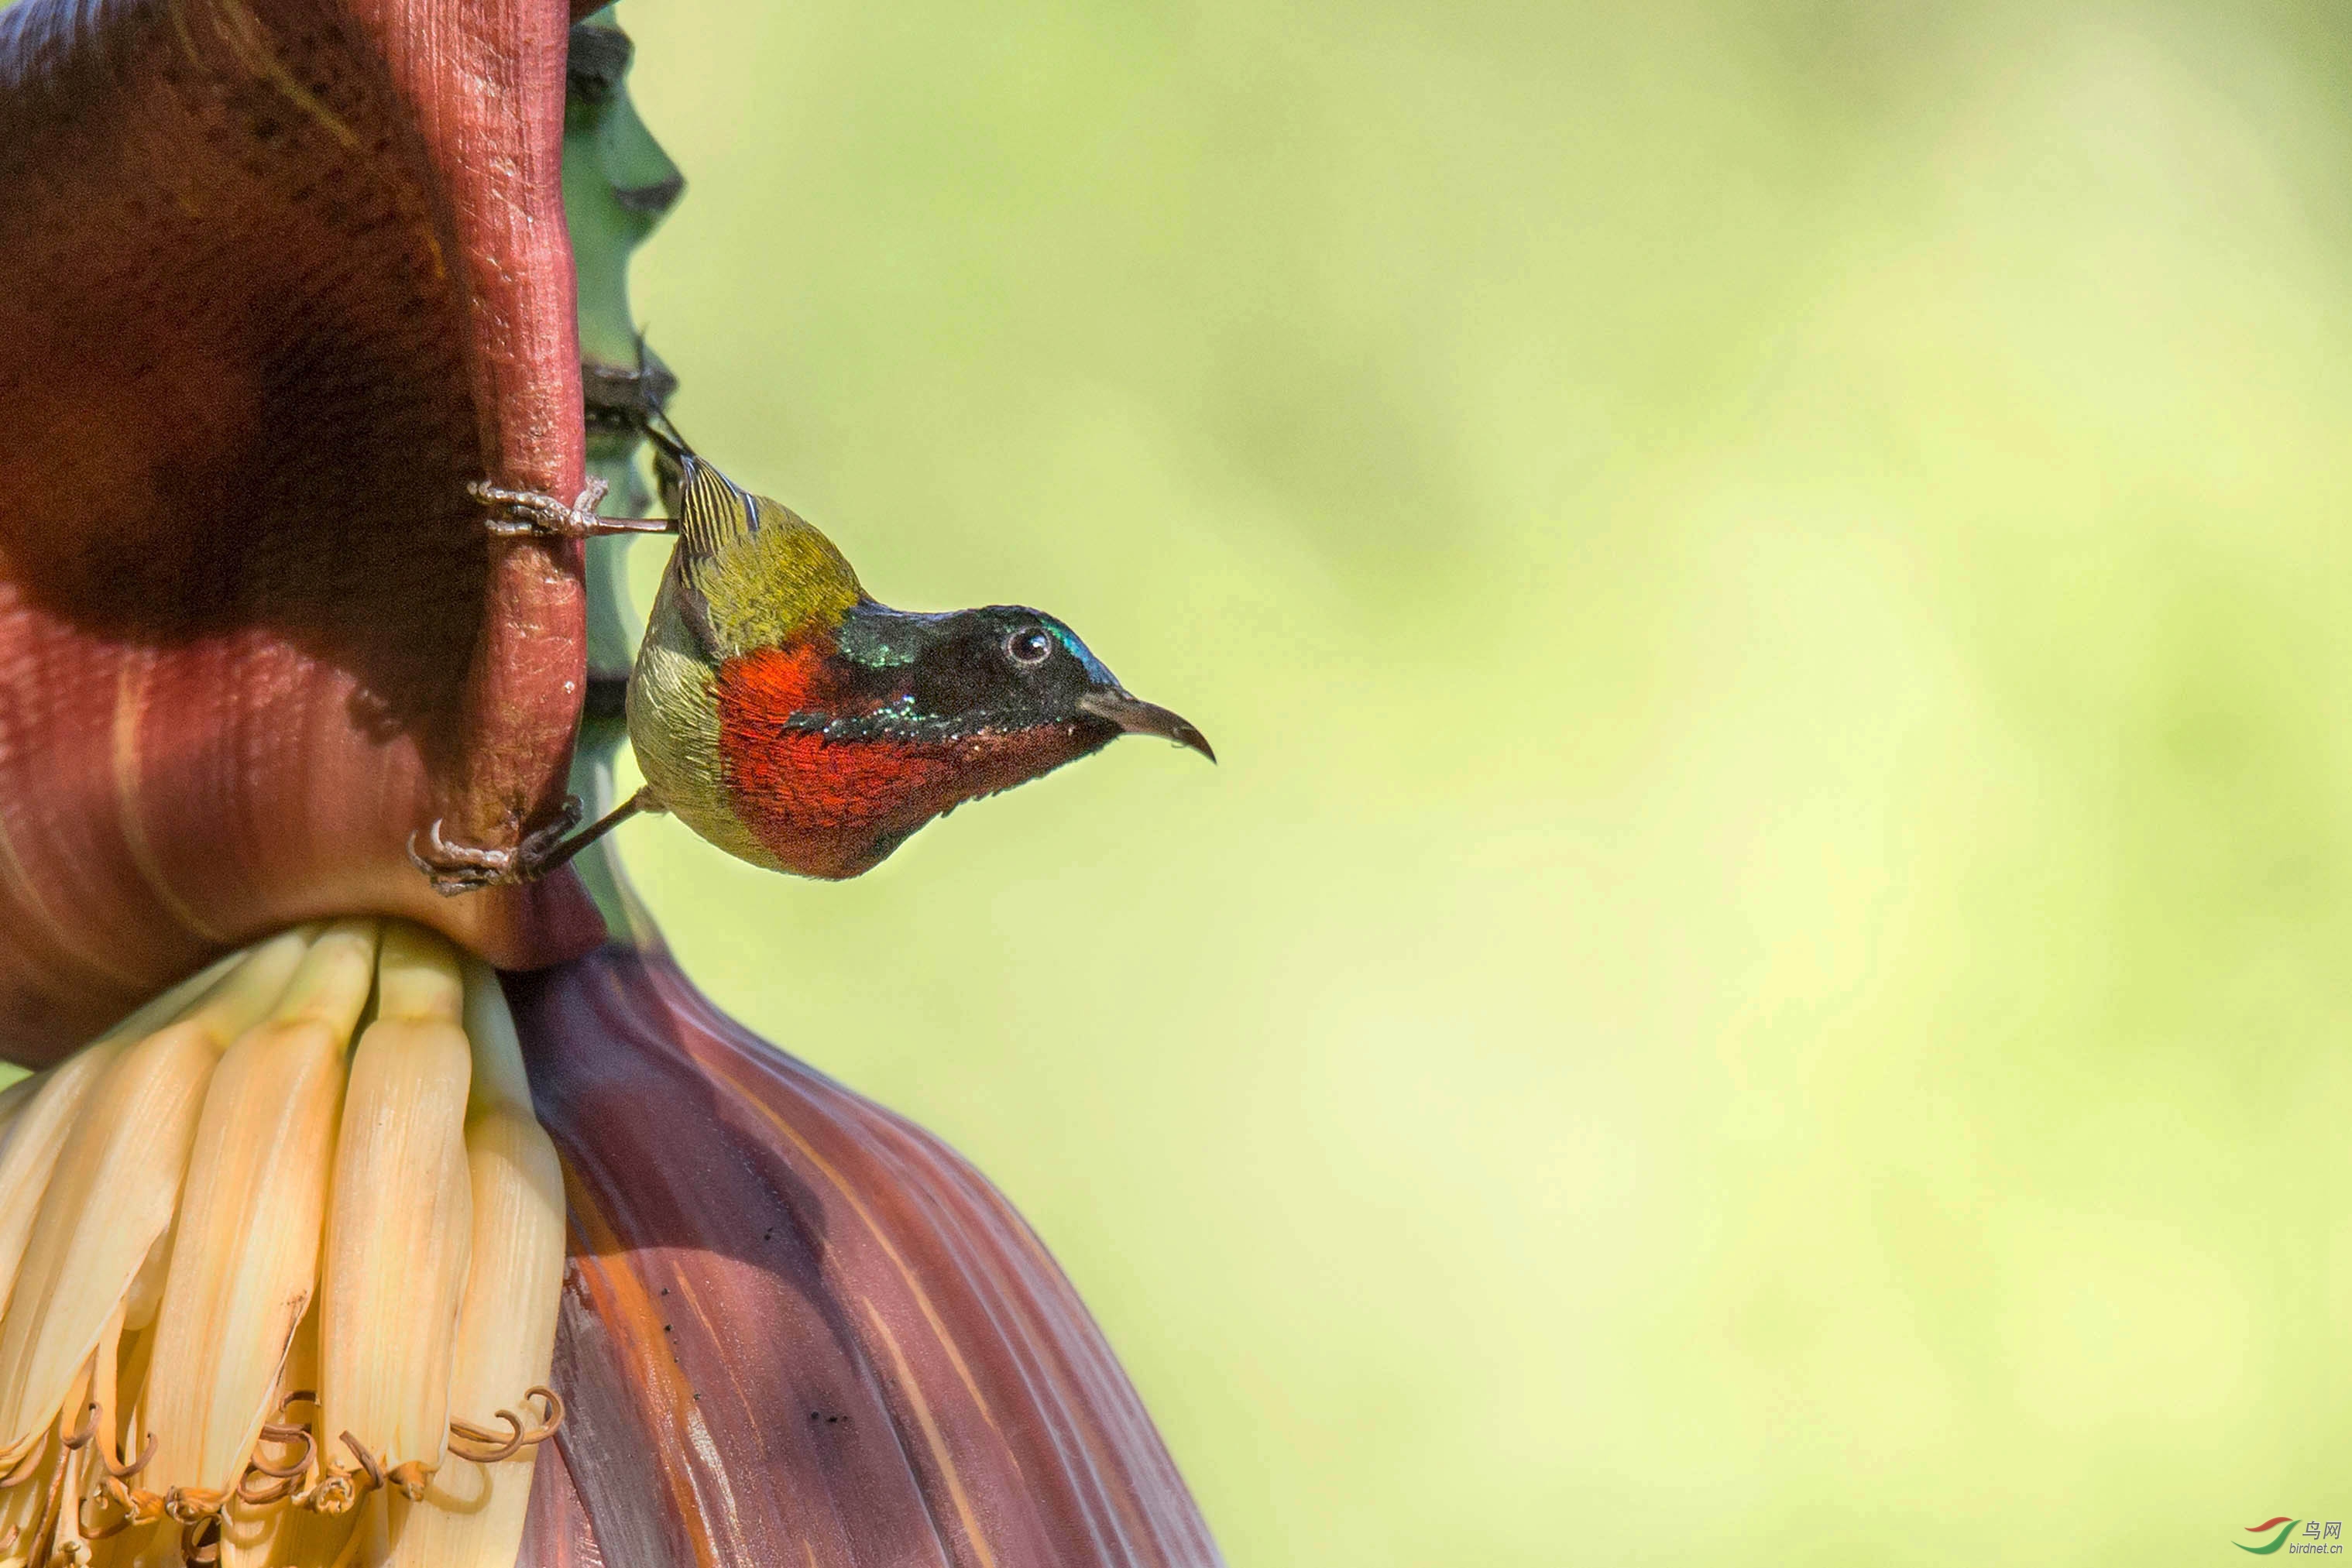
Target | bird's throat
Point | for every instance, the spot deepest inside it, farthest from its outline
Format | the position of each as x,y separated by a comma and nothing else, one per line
834,805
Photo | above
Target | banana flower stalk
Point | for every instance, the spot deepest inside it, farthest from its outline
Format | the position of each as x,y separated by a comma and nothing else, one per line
288,1247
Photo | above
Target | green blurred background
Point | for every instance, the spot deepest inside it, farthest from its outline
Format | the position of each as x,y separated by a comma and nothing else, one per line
1764,974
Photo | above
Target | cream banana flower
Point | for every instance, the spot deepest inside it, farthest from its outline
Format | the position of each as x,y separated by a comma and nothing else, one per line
275,1261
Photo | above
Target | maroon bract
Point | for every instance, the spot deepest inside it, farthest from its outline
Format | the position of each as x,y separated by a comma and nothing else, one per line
278,280
836,1342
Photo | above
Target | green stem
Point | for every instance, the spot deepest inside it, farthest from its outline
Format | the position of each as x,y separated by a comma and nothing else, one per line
617,185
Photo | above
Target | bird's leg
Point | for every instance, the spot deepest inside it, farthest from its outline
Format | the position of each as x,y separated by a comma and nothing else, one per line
454,869
557,855
528,514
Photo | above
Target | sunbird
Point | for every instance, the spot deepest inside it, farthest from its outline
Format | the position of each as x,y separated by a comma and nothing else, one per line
791,719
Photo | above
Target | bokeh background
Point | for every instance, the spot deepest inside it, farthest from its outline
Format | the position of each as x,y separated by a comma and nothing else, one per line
1764,974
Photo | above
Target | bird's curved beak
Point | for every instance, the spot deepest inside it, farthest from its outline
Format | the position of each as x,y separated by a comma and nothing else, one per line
1136,717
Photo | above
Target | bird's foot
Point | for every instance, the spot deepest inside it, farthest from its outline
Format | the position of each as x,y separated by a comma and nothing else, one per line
528,514
453,869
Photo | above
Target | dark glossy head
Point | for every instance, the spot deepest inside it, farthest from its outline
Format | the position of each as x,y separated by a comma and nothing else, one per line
999,669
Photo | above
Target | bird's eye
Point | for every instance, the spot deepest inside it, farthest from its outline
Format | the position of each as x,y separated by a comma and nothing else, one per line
1030,646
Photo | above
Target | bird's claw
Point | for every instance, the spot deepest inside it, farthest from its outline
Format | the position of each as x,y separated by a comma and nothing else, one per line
528,514
453,869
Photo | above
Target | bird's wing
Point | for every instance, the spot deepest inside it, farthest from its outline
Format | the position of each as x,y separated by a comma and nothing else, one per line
750,572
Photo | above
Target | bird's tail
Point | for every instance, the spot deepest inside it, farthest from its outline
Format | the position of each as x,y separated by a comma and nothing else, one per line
710,508
674,460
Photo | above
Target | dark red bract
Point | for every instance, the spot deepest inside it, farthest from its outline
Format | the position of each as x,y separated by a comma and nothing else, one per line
276,282
767,1264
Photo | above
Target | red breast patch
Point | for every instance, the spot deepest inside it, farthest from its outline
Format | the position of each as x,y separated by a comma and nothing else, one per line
835,808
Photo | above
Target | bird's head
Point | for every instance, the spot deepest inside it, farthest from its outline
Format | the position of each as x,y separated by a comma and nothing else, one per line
841,743
1002,670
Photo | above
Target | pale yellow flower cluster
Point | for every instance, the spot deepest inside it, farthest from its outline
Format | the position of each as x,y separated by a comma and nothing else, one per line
283,1253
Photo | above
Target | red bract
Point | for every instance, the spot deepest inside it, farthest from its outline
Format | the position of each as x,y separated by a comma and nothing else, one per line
278,280
835,1342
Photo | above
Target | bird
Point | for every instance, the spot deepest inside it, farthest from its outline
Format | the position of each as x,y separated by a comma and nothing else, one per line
788,717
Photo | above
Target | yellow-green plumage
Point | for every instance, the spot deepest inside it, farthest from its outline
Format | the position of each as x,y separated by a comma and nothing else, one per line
764,574
747,574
